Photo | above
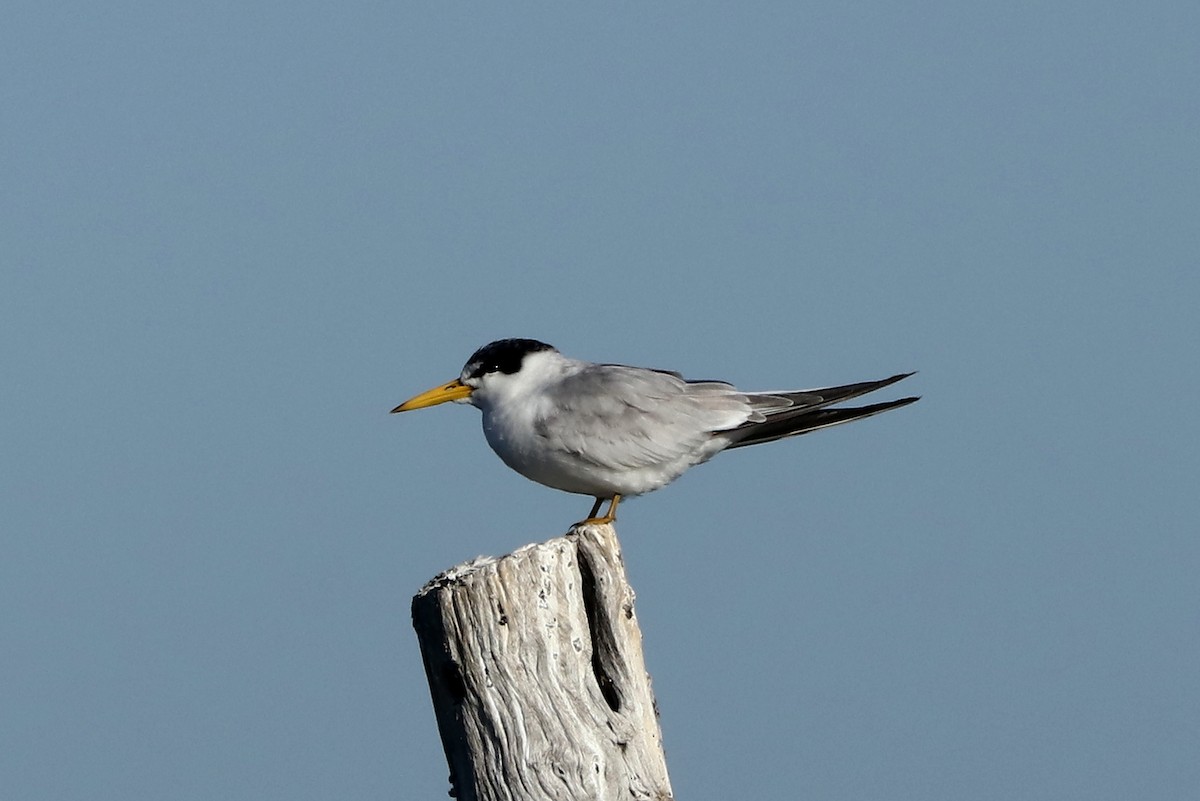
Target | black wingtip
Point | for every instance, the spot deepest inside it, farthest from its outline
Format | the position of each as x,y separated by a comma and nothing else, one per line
811,420
896,404
897,377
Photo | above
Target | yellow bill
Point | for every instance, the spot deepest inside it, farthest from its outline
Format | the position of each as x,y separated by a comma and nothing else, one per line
455,390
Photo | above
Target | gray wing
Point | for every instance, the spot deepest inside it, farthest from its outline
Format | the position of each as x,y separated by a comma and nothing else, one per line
628,417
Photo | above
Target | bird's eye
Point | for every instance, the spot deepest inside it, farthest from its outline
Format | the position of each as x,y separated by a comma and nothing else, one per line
502,356
506,366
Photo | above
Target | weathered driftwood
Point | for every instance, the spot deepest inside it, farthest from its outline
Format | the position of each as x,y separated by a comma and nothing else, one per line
535,666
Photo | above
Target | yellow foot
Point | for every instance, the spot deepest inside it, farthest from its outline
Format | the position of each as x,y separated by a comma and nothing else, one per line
594,521
606,519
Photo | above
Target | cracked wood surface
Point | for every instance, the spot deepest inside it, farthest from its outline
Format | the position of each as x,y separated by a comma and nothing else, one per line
535,667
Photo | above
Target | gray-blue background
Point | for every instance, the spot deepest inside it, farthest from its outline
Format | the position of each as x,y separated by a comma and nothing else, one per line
233,235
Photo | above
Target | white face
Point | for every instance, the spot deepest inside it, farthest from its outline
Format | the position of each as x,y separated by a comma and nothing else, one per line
508,368
535,370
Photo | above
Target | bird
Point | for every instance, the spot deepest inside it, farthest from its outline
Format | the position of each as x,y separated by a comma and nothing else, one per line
613,431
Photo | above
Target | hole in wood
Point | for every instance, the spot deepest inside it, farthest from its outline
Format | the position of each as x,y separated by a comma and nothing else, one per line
597,628
452,678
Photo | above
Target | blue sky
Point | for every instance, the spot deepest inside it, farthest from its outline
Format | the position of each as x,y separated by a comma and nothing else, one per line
232,237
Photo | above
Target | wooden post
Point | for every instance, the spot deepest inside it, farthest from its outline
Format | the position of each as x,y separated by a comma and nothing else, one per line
535,666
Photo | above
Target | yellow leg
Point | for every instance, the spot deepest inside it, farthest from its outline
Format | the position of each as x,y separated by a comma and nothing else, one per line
609,516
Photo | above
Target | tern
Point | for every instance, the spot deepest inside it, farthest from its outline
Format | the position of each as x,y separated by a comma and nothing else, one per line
612,431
